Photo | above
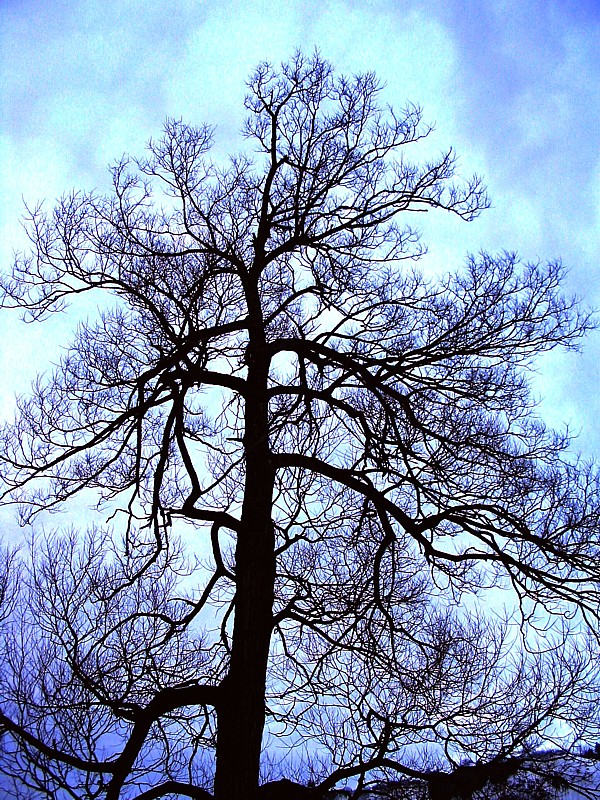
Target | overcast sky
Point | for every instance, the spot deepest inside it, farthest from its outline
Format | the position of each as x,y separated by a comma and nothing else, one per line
513,85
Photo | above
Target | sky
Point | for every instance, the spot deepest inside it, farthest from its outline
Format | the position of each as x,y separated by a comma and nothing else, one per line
512,85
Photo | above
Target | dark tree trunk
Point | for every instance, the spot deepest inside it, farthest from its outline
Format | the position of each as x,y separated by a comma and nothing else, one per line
241,715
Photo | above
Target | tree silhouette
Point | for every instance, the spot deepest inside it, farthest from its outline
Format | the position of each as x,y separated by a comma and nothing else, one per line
316,464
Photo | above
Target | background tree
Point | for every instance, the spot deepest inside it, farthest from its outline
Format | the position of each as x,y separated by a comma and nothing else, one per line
349,448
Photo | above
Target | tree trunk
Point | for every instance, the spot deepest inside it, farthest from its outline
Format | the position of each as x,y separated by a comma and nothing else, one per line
241,713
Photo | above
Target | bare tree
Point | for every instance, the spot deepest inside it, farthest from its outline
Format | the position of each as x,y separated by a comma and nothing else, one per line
349,448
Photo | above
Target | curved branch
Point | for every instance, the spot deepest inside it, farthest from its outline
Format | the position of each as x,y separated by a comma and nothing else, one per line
19,732
163,703
175,787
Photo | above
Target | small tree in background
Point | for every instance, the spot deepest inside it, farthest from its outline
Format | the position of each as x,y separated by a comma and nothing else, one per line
349,448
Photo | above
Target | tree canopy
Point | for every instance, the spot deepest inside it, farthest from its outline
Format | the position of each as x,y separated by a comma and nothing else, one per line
319,476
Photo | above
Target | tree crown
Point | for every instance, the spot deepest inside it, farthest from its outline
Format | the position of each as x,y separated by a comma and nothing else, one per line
354,445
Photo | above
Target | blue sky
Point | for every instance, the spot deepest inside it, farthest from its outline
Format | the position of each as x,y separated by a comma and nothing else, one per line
513,85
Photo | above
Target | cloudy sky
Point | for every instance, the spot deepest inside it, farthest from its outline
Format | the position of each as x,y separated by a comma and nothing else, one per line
513,85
